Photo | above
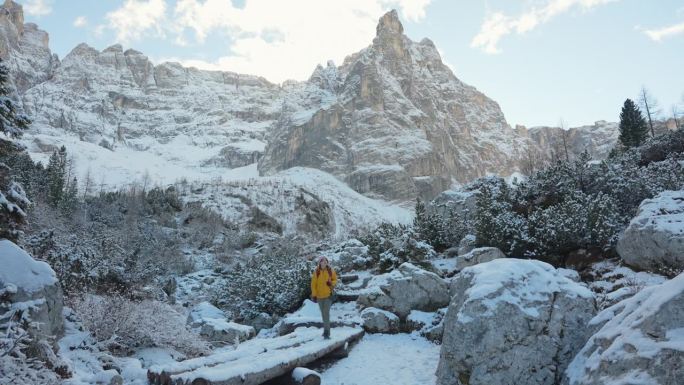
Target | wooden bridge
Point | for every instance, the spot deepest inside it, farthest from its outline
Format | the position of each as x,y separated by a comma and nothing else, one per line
255,361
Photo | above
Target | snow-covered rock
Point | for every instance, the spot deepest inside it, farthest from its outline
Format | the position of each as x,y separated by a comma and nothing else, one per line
640,340
214,325
513,321
404,289
379,321
477,256
304,376
467,244
654,239
31,286
428,324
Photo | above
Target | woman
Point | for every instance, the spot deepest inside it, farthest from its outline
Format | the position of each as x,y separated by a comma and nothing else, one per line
323,281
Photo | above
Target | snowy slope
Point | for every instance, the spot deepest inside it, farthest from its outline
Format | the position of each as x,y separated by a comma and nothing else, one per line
301,200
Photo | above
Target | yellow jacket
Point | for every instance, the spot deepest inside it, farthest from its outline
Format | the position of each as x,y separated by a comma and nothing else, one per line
319,282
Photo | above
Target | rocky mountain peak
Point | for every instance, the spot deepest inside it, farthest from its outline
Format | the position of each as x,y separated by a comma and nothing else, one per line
389,24
116,48
15,13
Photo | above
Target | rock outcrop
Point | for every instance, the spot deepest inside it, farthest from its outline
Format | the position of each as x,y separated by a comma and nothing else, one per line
640,340
395,123
379,321
24,48
511,322
477,256
654,239
404,289
597,139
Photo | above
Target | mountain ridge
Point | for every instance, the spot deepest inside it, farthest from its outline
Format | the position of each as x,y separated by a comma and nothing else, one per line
395,92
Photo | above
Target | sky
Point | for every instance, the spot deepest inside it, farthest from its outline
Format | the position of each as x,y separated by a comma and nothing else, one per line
543,61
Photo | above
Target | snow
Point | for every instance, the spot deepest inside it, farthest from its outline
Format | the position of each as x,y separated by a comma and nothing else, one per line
300,373
445,265
342,312
421,317
397,359
126,165
277,196
21,270
664,213
518,279
613,282
623,330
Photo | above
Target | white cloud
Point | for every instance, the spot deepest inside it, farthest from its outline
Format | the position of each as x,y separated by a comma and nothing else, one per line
276,39
665,32
136,18
38,7
498,25
80,21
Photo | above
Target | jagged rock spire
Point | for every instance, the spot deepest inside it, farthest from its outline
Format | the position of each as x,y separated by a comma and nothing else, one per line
389,24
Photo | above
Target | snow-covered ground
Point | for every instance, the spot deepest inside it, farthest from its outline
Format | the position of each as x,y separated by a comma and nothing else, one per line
397,359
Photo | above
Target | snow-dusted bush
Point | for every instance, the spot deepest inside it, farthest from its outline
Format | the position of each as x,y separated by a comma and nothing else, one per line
497,224
440,231
122,325
579,222
274,282
390,245
576,205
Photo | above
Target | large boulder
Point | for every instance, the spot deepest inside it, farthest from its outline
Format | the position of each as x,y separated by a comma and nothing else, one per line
640,341
477,256
404,289
214,326
513,321
654,239
379,321
30,286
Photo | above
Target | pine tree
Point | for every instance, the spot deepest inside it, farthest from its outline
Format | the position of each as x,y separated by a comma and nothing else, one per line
69,198
56,174
429,228
633,128
12,122
13,205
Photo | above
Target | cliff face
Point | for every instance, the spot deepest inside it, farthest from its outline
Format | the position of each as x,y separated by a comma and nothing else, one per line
24,48
393,121
598,139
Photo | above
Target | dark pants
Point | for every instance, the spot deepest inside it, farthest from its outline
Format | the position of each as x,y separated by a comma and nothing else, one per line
324,304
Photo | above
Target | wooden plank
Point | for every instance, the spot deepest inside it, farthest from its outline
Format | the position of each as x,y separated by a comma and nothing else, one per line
255,361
